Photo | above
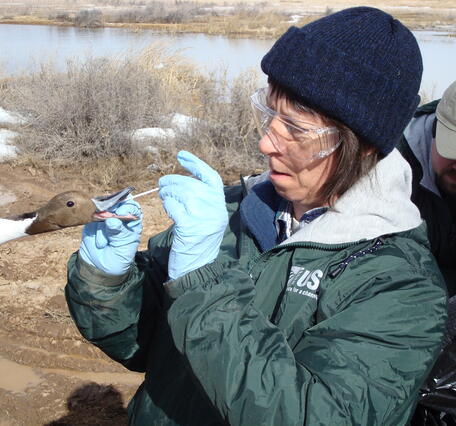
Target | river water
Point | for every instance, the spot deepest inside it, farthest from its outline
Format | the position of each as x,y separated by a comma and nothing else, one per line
23,47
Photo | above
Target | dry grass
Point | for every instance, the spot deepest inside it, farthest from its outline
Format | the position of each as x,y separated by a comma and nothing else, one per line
85,116
254,18
382,4
223,132
86,111
226,132
182,17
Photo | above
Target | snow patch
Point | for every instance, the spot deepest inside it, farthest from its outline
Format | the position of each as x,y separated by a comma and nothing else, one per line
182,122
294,19
140,135
218,9
7,136
176,122
7,152
7,117
153,139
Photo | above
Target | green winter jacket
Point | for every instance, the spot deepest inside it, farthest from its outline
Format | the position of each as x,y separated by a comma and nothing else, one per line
339,325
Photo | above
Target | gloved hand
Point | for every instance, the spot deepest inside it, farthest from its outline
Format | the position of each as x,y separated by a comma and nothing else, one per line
197,207
111,245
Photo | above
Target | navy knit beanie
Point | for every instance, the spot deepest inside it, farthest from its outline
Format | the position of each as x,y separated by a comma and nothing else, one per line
360,66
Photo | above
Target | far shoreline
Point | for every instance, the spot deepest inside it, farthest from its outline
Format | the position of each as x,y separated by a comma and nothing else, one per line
211,28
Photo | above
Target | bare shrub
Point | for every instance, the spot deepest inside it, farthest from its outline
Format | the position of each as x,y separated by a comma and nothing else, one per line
158,12
182,82
245,20
124,16
61,16
252,10
86,115
85,112
89,18
225,133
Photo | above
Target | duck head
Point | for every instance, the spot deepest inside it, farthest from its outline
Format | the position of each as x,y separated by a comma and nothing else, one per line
71,208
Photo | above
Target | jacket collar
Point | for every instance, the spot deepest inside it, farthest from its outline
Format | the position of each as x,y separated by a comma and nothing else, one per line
258,211
378,204
419,138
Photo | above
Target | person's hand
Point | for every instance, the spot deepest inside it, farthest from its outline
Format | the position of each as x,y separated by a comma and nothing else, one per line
111,245
197,207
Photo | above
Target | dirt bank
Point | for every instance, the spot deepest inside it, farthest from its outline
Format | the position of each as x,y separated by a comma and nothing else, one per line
48,373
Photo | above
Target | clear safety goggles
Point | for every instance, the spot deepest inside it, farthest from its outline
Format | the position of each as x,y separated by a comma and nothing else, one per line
300,139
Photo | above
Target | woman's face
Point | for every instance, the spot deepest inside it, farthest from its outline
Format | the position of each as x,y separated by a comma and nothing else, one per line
296,180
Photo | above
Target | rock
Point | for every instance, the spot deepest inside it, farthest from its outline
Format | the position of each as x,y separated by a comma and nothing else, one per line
32,285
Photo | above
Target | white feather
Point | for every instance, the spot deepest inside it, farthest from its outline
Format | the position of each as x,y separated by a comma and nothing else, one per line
12,229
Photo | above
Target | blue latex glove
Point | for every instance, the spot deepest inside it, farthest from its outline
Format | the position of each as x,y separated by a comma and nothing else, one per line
197,207
111,245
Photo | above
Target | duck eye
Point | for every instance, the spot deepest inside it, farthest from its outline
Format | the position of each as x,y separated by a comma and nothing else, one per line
70,203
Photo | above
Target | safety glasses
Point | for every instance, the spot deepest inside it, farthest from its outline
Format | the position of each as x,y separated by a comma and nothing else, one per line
297,138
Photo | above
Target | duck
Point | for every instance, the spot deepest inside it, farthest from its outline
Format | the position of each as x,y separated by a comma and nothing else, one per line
67,209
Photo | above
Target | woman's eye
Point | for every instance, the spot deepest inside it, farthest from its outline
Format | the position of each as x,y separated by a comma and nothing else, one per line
70,203
294,132
290,129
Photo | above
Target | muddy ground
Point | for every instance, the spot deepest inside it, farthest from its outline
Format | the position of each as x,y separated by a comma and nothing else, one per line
49,375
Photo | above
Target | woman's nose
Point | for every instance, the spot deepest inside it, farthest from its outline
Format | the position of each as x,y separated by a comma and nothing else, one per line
266,146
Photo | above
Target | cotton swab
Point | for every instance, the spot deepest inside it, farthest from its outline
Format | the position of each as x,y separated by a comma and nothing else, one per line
132,197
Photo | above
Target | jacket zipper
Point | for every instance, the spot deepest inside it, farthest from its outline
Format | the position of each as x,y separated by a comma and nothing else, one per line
257,258
342,265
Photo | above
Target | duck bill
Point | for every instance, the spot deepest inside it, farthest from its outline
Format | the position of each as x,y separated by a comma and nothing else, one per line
106,202
100,216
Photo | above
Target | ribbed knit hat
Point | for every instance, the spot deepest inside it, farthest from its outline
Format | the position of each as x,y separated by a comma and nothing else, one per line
360,66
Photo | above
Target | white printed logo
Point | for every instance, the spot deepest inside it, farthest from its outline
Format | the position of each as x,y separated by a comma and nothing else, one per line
304,282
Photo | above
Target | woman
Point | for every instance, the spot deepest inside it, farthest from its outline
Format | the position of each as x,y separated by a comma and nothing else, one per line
307,295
